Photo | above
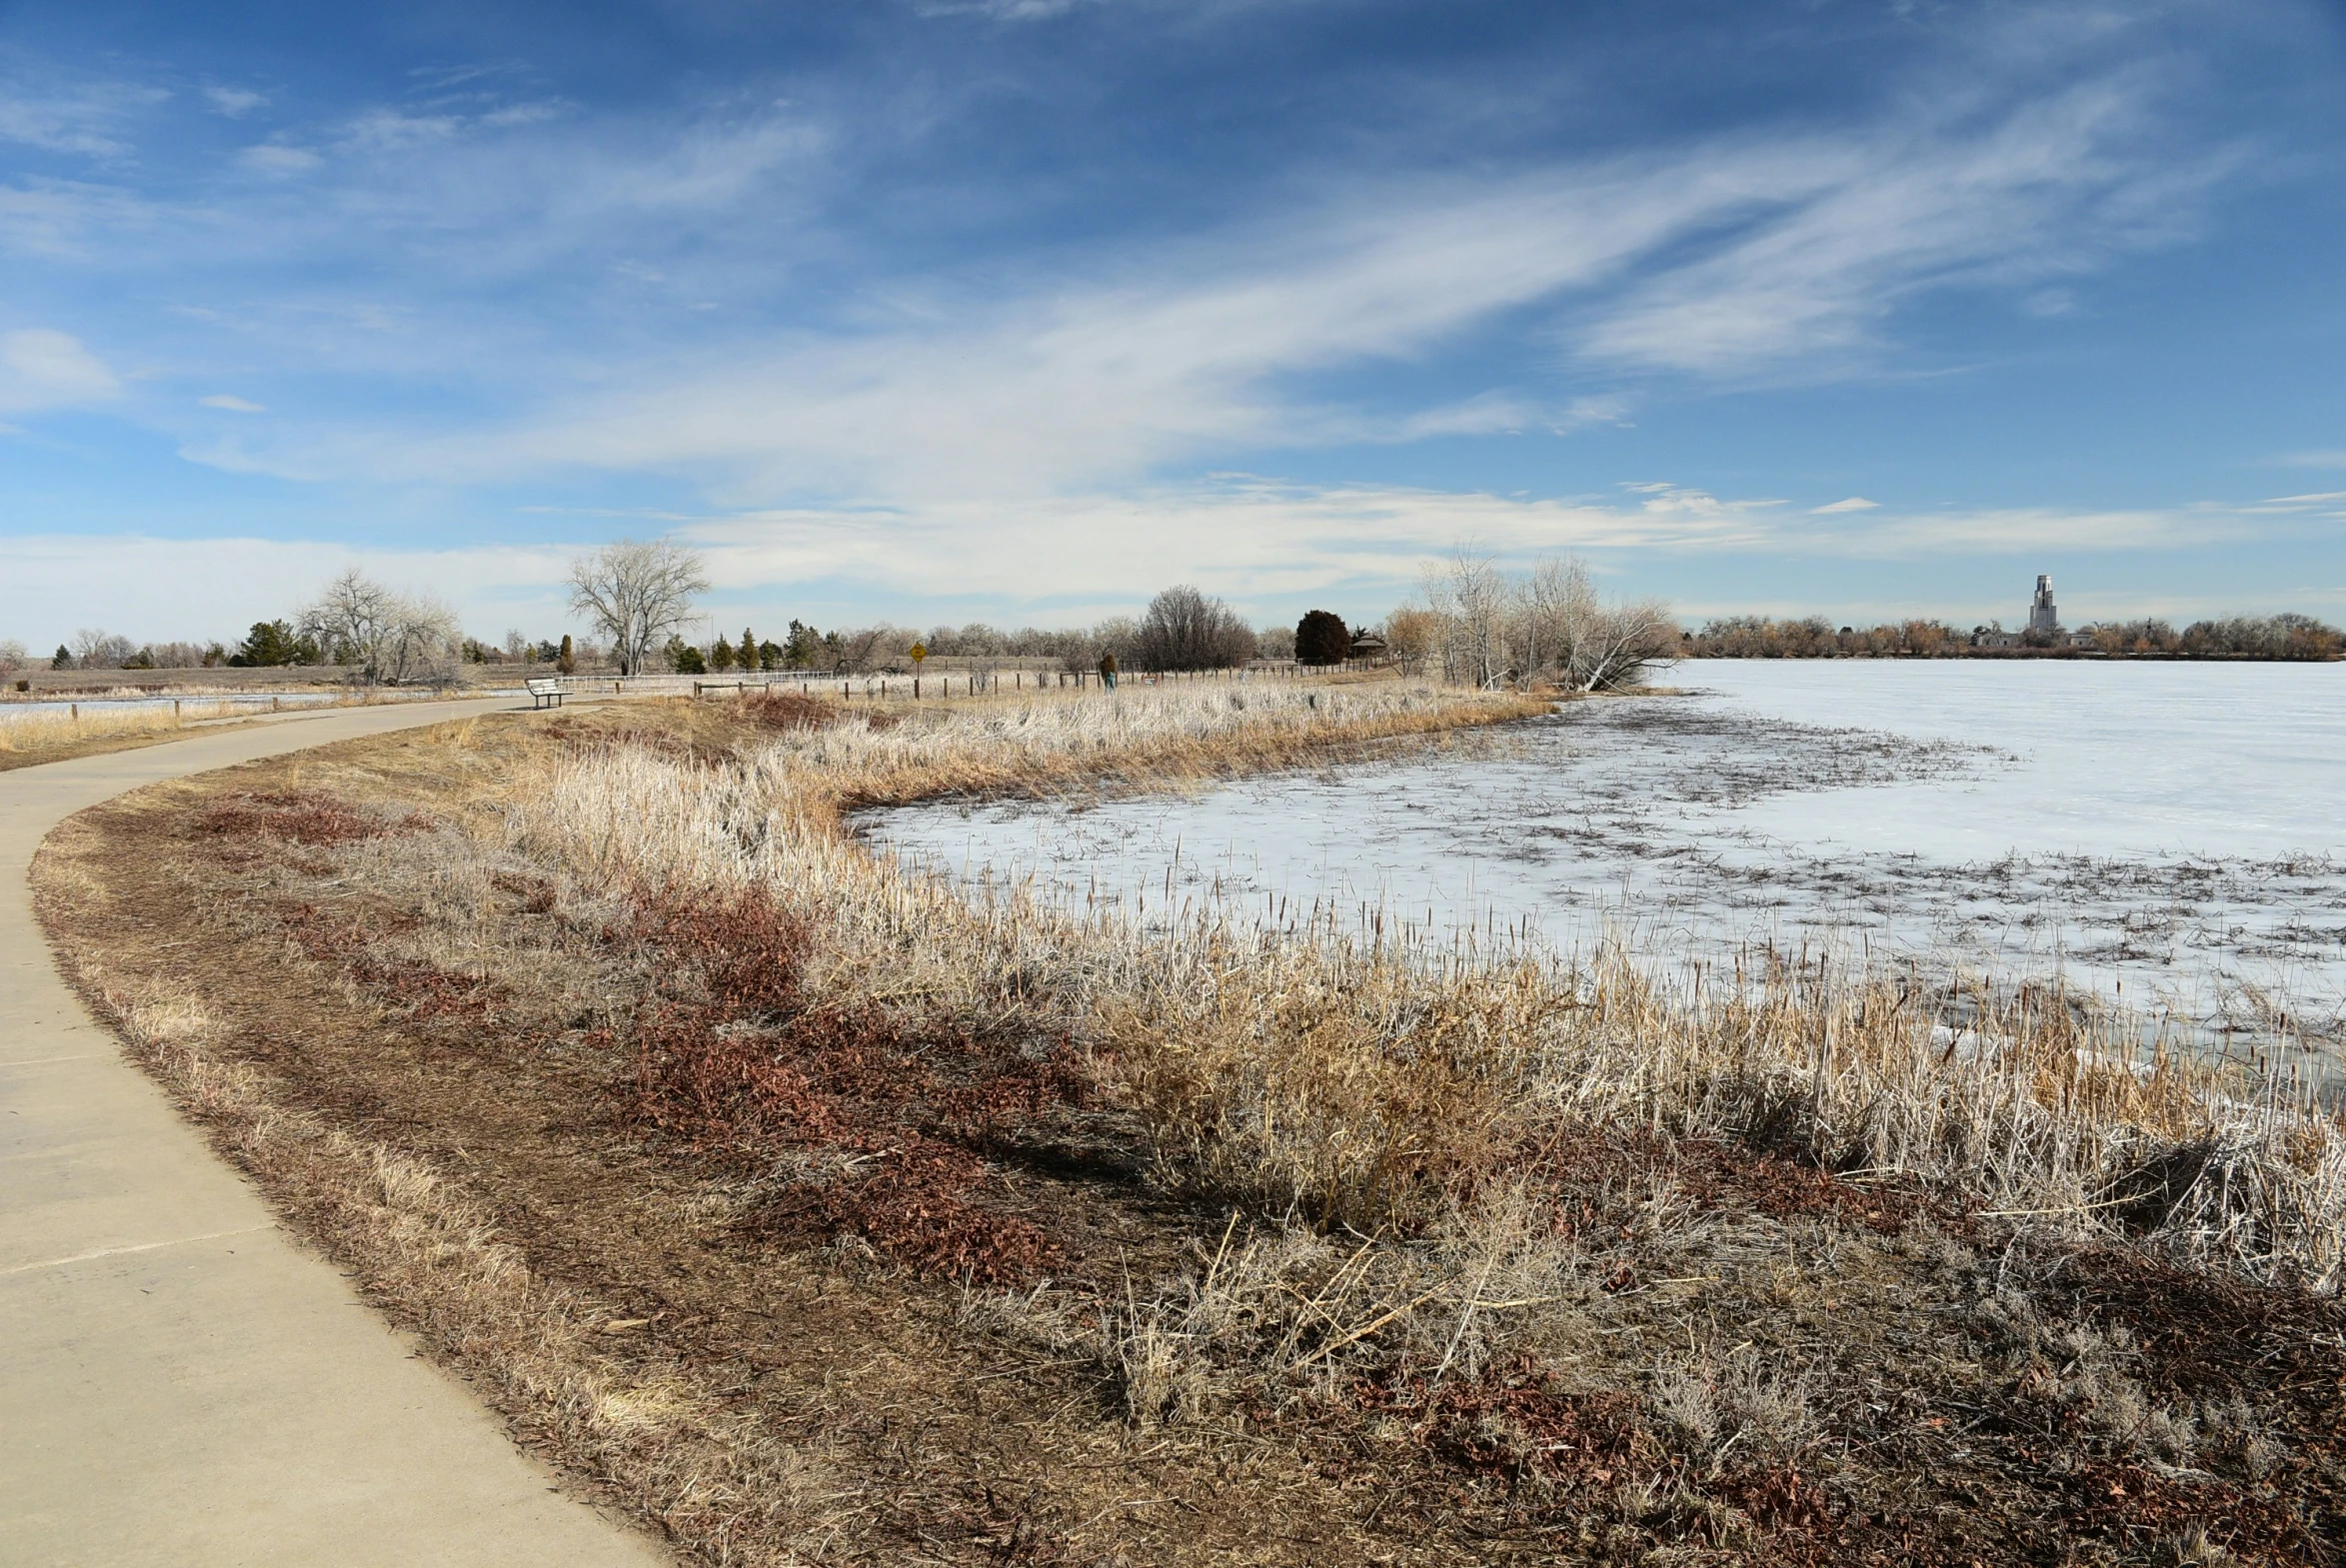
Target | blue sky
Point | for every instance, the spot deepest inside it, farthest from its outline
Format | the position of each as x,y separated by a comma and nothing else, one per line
1018,310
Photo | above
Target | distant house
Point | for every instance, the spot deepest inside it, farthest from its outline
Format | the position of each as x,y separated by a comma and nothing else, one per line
1994,637
1366,645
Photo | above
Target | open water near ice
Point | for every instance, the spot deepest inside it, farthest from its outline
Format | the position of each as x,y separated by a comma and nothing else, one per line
2170,835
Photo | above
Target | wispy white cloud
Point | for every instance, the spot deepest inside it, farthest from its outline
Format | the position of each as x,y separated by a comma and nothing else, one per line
1851,504
65,219
41,368
393,130
2022,531
92,118
1070,384
279,158
2049,188
1720,259
1002,10
235,102
232,403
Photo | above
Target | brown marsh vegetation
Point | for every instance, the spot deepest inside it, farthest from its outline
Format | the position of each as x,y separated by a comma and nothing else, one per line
817,1214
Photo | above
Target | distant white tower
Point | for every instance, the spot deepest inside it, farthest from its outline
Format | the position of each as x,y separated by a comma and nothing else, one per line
2043,617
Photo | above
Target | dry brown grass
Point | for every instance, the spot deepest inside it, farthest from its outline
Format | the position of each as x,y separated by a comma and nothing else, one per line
31,737
1366,1082
1440,1256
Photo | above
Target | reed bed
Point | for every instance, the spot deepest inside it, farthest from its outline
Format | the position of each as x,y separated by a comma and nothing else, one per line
1369,1082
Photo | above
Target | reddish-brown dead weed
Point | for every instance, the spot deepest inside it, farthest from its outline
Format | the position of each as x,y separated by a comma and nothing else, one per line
299,817
892,1120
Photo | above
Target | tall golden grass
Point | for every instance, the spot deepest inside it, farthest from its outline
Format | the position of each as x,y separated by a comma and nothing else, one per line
1379,1083
49,730
30,731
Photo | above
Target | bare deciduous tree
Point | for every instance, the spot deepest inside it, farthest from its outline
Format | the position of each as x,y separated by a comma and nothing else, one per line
638,593
12,658
1184,629
96,649
1486,627
389,636
1470,598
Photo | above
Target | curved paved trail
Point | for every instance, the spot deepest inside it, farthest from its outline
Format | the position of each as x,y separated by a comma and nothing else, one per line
181,1382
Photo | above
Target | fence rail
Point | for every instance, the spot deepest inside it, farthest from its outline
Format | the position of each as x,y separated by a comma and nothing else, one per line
943,684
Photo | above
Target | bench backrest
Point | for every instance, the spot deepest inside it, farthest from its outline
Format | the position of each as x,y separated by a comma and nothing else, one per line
541,687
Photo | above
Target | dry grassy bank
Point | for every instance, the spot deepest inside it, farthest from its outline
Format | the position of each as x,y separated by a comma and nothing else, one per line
30,736
957,1232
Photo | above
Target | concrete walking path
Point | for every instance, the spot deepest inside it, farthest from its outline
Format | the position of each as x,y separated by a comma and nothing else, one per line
181,1382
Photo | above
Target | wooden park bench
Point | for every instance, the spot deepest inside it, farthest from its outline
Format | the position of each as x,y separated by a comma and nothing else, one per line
543,693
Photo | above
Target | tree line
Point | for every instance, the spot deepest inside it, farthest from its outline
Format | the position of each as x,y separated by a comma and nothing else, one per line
1477,624
640,595
639,598
2277,637
1182,629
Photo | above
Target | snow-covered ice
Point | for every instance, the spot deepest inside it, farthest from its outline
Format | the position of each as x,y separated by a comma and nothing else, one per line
2168,833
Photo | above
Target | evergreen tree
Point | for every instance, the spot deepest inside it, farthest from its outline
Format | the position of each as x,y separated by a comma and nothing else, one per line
568,659
720,653
749,651
271,643
1320,638
63,659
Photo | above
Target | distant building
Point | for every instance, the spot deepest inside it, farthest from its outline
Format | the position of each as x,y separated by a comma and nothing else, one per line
2043,629
2043,619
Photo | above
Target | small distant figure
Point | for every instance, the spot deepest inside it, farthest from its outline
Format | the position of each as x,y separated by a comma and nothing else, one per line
1108,671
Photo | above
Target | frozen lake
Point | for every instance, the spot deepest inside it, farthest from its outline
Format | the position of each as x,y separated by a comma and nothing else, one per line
2168,834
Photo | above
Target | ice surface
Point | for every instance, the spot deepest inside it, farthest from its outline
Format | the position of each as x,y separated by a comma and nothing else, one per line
2168,833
